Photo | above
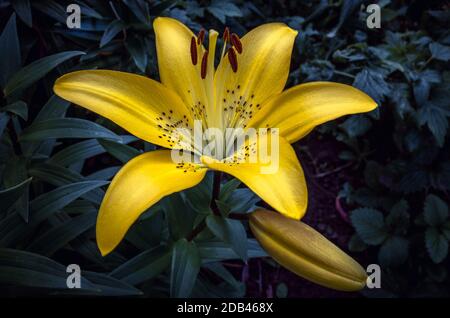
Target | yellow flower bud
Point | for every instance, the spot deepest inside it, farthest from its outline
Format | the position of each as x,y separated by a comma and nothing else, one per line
306,252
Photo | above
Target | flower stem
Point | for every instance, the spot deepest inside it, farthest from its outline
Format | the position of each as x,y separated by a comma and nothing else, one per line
216,192
213,205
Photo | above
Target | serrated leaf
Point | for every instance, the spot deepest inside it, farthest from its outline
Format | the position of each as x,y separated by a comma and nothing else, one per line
436,244
435,210
29,74
185,267
393,252
398,218
67,128
369,224
356,244
231,232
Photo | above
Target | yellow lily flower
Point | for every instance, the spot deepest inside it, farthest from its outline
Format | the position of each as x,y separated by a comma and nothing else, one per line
246,90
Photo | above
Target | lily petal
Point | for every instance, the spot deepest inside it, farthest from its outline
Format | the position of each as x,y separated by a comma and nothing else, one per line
263,68
173,43
283,186
299,109
138,104
142,182
306,252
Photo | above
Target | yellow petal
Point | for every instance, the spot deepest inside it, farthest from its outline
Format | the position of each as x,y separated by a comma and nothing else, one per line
299,109
138,104
263,68
142,182
176,71
306,252
282,185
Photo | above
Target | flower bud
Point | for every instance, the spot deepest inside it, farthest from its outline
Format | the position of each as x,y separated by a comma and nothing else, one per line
306,252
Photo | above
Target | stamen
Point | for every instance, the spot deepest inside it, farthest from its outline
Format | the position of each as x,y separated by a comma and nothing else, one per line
226,35
201,36
204,64
236,42
233,59
194,57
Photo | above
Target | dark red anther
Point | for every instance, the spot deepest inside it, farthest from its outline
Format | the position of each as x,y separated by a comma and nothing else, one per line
236,42
204,64
201,36
194,57
233,59
226,34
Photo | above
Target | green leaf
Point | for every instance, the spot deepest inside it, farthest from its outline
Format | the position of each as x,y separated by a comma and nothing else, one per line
356,244
398,218
222,9
29,74
121,152
144,266
15,172
199,197
282,290
435,119
439,51
4,119
435,210
58,176
227,189
23,10
214,251
12,227
185,268
10,54
393,252
137,49
180,216
356,125
369,224
243,200
140,10
20,268
18,108
10,195
231,232
67,128
436,244
372,83
111,31
59,236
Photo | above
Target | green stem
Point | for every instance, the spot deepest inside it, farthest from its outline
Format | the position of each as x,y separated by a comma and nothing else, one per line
216,192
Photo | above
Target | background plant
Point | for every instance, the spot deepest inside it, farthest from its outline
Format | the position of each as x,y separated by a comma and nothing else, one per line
56,160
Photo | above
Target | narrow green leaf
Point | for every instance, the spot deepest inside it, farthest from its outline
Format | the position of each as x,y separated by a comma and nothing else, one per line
121,152
29,74
23,10
9,196
66,128
18,108
144,266
10,60
231,232
59,236
111,31
185,268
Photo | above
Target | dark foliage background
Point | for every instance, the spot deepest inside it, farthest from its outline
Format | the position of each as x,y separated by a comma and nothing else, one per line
378,182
